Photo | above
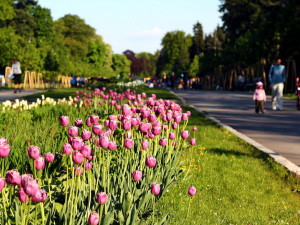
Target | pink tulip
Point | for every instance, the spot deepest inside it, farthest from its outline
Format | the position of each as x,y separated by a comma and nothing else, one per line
40,196
86,151
4,150
163,141
113,124
78,122
137,175
172,135
184,116
143,127
185,134
165,127
151,161
189,113
101,198
2,183
73,131
31,186
174,125
94,218
78,170
94,119
67,149
34,152
77,157
3,141
126,124
77,143
156,130
77,92
143,95
174,143
128,143
13,177
24,179
22,196
112,145
70,140
64,121
88,165
49,157
86,134
151,118
88,122
126,109
177,119
192,191
145,144
104,141
155,189
193,141
97,128
40,163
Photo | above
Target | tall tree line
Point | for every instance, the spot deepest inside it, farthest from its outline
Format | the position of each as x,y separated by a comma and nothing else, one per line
68,45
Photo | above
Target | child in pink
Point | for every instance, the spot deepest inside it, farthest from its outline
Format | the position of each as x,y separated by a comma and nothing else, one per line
259,97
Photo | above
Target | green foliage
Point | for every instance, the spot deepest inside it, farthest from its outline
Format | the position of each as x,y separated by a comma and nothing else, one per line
6,10
121,65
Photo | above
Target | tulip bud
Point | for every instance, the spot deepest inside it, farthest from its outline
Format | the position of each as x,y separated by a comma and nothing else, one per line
78,170
73,131
94,119
194,128
40,163
77,157
137,175
77,143
97,128
40,196
49,157
88,122
78,122
4,150
155,189
34,152
104,141
185,134
193,141
145,144
86,151
156,130
184,116
101,198
174,125
88,165
13,177
94,218
192,191
64,121
151,161
2,183
128,143
67,149
31,186
22,196
163,141
172,135
112,145
86,134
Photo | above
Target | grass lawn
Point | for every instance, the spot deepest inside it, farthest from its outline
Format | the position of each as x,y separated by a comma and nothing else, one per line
236,183
290,95
66,92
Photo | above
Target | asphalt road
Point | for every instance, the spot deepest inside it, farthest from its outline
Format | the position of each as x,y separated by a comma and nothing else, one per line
276,130
10,95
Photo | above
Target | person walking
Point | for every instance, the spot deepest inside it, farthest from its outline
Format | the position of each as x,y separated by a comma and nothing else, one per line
259,97
277,79
17,73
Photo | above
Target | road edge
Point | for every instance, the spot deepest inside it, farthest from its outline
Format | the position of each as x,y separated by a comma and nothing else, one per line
276,156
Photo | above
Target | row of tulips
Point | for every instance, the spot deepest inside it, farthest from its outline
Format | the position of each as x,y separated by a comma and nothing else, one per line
116,163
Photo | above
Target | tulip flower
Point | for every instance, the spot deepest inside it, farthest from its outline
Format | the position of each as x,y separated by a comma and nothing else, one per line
128,143
88,165
101,198
94,119
78,122
73,131
77,143
88,122
188,113
31,186
137,175
67,149
86,134
145,144
143,127
40,196
126,124
192,191
185,134
94,218
126,109
4,150
64,121
112,145
24,179
184,116
174,143
174,125
104,141
78,170
13,177
86,151
3,141
40,163
193,141
34,152
163,141
151,161
97,128
113,124
156,130
2,183
194,128
49,157
155,189
23,197
77,157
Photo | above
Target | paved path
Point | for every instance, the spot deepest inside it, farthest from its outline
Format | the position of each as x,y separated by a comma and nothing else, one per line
277,130
10,95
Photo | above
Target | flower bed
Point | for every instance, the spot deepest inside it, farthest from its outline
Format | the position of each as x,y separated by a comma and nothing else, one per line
111,166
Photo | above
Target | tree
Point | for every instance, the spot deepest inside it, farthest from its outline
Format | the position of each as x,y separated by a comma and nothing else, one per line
198,40
6,11
194,67
121,65
43,24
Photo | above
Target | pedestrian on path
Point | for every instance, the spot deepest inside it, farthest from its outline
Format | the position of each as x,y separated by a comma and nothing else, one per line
277,79
17,73
259,97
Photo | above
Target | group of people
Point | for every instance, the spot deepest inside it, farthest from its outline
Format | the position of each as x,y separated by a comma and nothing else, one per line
277,79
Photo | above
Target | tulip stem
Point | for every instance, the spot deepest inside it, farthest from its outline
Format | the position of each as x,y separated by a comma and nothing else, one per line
3,167
34,169
188,209
153,210
42,210
100,213
4,205
28,211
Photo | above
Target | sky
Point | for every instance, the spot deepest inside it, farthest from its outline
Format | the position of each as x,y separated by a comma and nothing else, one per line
139,25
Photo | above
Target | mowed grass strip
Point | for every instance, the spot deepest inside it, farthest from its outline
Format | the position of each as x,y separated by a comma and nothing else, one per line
236,183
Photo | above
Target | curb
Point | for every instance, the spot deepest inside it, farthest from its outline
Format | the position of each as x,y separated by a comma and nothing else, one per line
277,157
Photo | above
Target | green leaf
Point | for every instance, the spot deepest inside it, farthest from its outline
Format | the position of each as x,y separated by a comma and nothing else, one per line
58,207
127,203
162,220
108,218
